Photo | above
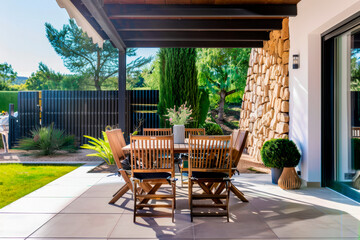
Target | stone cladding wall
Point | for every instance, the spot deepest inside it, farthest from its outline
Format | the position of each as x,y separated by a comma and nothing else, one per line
265,108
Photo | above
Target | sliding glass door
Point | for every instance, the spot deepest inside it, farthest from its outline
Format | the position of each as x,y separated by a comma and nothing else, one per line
341,118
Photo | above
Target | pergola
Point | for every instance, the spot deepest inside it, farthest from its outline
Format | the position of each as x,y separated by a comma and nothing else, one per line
177,24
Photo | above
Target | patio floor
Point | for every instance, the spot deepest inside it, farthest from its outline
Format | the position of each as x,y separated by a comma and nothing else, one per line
75,206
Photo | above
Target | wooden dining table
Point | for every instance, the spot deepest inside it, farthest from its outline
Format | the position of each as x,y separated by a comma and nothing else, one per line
178,147
184,148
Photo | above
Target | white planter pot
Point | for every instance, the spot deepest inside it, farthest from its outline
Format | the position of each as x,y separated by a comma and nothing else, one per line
179,134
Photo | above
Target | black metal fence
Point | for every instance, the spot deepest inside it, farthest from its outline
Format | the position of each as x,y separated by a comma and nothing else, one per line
28,112
86,112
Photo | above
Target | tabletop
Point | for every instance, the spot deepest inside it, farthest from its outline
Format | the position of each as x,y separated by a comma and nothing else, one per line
178,147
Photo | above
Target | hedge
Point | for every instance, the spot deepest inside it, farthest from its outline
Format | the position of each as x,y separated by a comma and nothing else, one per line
7,97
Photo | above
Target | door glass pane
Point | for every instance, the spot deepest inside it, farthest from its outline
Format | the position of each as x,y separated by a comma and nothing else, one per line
347,111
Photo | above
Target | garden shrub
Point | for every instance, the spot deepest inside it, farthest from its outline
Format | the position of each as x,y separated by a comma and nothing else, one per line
8,97
279,153
48,140
212,128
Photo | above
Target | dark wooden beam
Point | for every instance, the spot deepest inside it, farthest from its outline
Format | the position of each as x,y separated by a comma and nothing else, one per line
122,90
193,36
197,25
97,11
194,44
195,11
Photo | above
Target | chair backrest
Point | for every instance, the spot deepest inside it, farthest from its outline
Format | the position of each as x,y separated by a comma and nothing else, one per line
157,131
210,154
239,141
116,142
194,131
152,154
355,132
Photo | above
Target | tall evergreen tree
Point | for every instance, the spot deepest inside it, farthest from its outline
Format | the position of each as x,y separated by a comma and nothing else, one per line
178,81
83,57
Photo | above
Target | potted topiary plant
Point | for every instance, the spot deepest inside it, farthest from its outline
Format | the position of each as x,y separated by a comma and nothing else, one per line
279,154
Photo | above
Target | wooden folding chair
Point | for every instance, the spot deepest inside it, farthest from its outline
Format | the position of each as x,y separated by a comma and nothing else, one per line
152,162
157,131
183,166
117,142
210,165
238,144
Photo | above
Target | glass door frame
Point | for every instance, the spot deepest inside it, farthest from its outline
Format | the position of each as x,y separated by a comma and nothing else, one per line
328,121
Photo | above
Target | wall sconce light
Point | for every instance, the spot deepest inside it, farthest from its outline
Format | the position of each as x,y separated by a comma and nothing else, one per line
296,61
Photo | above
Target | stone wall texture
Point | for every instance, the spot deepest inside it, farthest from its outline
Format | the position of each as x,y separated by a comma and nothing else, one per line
265,108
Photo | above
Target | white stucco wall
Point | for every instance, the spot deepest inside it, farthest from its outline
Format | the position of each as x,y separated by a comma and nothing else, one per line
314,17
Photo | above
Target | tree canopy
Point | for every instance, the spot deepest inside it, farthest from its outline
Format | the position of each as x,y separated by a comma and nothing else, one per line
223,72
83,57
47,79
7,76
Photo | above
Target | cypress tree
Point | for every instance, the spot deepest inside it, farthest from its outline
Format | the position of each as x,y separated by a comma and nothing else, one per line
178,81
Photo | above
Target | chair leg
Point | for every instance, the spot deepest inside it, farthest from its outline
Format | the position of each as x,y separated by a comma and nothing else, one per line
228,184
181,176
238,193
190,184
135,199
173,200
119,194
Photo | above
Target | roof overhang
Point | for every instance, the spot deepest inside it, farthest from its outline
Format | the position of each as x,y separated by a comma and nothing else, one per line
180,23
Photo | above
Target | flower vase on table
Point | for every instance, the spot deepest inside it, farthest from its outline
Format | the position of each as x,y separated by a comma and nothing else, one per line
178,118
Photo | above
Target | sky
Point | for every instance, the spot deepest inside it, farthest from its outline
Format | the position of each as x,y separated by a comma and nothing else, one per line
23,42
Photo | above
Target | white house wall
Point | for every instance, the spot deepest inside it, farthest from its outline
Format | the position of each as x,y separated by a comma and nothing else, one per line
314,18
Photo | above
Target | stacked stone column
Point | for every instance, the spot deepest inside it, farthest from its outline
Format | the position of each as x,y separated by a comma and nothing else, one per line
265,108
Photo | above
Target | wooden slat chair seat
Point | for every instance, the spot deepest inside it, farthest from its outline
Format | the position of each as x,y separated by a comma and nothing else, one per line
210,165
117,142
183,166
157,131
151,167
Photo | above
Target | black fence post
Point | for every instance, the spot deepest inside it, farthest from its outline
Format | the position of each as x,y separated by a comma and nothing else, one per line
12,127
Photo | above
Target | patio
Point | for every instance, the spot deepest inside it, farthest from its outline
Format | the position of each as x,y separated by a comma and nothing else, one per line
75,206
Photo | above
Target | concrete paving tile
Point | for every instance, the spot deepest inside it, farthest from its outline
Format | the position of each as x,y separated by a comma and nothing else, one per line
21,225
162,228
92,205
321,227
73,181
37,205
218,228
102,190
338,238
1,238
35,238
59,191
78,226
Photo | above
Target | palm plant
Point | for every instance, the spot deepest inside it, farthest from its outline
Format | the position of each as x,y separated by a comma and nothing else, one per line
101,146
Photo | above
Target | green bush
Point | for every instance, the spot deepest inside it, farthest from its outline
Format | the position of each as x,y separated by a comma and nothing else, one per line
48,140
101,146
279,153
212,128
7,97
355,145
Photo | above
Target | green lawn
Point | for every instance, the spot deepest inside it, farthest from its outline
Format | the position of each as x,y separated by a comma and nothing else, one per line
17,180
